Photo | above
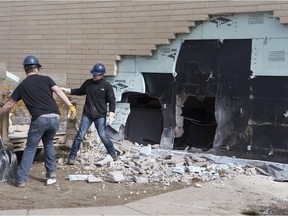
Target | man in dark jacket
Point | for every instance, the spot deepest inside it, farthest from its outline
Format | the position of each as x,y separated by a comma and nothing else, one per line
37,93
98,93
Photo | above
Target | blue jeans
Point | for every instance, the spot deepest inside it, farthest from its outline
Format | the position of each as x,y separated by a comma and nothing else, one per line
100,125
43,128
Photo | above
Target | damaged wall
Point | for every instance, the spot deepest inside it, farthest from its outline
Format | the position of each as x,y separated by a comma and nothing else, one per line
220,61
209,68
144,38
268,120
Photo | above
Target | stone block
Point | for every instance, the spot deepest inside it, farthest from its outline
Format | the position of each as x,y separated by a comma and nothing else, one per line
116,176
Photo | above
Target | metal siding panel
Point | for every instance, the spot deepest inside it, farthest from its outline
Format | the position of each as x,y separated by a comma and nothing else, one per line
240,26
269,57
127,82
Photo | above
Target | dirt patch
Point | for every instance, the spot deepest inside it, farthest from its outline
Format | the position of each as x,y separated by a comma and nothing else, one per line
67,193
254,194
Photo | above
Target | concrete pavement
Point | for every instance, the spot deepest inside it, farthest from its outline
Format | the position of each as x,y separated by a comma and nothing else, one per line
187,201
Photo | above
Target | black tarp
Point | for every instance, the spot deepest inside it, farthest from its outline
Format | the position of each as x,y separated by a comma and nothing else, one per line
8,164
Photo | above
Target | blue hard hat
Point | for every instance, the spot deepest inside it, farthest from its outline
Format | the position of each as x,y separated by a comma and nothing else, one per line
98,69
31,60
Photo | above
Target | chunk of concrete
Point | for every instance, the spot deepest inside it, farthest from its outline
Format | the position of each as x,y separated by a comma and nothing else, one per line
145,150
93,179
194,169
104,161
116,176
78,177
140,179
179,170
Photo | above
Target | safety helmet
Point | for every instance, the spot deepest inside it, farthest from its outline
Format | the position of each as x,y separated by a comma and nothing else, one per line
31,62
98,69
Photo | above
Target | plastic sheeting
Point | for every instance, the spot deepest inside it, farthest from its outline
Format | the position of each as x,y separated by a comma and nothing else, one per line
8,164
278,171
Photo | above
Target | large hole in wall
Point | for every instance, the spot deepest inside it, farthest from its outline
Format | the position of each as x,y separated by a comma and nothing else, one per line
144,123
199,124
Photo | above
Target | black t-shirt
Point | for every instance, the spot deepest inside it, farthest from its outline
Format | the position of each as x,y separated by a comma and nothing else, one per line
35,91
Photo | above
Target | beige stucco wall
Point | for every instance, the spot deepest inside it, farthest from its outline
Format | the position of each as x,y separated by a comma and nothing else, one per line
71,36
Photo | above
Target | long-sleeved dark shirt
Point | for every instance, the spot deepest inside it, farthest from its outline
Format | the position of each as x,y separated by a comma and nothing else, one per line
98,93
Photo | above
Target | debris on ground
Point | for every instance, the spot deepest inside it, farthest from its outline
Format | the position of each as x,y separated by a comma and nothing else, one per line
149,163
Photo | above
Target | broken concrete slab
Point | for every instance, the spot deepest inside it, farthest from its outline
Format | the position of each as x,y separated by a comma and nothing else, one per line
116,176
140,179
79,177
145,150
104,161
93,179
164,166
179,170
193,169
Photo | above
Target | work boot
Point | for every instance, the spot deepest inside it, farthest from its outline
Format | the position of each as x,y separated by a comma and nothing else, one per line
50,175
115,157
50,181
71,161
51,178
20,185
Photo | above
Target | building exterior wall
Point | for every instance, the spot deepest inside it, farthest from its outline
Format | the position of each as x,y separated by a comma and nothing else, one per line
71,36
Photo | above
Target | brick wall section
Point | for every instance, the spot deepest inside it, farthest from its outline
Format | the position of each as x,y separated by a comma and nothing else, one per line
71,36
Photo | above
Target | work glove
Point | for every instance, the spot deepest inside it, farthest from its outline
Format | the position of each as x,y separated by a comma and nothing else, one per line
71,112
110,119
66,90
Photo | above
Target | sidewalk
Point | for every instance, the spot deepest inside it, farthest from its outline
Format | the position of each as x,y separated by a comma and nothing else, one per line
187,201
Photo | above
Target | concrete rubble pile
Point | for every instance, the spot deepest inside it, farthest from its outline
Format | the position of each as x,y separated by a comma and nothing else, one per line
145,164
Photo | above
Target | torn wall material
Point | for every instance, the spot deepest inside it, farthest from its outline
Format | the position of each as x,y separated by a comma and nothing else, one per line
212,85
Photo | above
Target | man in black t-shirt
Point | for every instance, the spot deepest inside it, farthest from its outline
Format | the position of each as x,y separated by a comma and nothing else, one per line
36,91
